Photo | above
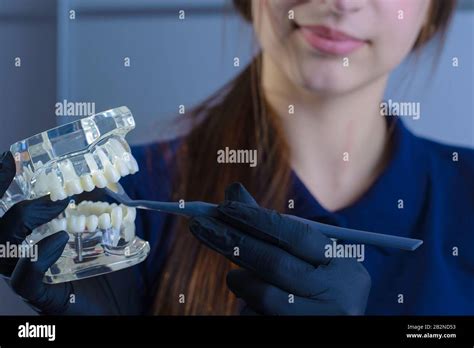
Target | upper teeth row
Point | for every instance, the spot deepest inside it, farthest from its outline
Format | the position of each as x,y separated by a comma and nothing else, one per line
107,164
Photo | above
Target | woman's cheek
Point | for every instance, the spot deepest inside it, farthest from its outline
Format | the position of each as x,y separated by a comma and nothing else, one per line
271,26
388,52
394,45
401,25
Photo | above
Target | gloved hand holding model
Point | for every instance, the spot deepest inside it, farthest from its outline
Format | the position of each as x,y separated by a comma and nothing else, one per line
86,297
285,271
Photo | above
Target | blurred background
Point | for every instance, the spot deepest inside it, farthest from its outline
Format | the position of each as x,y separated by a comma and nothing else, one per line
77,50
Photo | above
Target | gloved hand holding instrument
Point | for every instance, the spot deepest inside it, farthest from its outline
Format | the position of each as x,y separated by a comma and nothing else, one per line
284,270
25,275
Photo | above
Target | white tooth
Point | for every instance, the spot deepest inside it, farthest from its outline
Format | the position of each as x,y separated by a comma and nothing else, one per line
98,208
132,163
128,231
71,220
97,175
67,169
57,193
53,180
91,163
129,213
118,151
117,147
99,152
83,207
41,185
73,187
72,184
121,166
124,211
111,174
92,222
87,183
104,221
124,161
116,216
102,156
112,237
108,207
54,197
103,207
88,208
55,187
76,224
99,179
81,223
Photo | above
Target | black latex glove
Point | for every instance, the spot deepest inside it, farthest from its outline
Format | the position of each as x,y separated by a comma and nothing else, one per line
99,295
285,271
22,218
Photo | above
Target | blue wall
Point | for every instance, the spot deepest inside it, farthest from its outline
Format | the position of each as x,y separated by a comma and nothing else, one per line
174,62
27,93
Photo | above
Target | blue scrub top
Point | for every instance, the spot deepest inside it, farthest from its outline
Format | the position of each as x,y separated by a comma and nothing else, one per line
426,192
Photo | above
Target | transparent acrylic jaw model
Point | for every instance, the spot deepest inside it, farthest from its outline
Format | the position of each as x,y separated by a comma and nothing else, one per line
68,160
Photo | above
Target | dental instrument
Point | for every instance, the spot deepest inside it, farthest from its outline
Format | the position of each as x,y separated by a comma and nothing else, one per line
192,209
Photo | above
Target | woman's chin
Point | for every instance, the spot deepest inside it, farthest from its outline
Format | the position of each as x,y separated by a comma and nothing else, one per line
328,86
326,79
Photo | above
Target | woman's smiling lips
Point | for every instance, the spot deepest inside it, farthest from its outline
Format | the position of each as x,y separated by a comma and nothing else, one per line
330,41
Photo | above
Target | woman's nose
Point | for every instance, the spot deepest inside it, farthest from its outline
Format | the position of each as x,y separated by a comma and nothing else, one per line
346,6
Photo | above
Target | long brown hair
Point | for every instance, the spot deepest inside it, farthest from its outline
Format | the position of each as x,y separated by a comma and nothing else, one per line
237,117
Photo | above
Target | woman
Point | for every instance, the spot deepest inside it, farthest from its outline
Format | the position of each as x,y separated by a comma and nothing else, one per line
309,104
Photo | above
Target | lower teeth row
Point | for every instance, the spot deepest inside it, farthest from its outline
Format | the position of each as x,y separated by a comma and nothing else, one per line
93,216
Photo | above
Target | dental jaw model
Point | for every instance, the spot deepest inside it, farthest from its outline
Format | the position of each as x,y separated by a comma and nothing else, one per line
67,161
